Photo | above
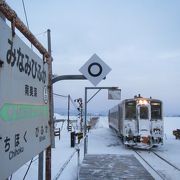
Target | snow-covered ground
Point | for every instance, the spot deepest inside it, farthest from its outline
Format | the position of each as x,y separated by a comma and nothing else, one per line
101,140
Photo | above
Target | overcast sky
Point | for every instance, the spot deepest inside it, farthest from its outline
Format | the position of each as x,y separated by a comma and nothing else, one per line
139,40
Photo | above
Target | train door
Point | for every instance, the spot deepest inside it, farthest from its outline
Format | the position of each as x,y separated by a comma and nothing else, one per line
144,125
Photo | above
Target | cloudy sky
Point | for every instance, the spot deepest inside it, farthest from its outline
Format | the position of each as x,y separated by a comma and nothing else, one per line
139,40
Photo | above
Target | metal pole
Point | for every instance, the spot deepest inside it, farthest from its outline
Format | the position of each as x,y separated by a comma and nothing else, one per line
40,166
68,112
85,113
85,123
51,112
48,151
68,77
81,116
78,162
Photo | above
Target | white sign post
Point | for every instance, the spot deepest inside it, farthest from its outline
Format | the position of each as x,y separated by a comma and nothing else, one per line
95,69
24,110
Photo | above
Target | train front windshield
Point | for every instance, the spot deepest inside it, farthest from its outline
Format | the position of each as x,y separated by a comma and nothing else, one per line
130,108
143,112
156,112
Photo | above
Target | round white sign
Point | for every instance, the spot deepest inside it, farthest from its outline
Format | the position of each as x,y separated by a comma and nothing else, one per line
95,69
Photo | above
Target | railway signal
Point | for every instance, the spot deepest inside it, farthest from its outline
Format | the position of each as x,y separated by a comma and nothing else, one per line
80,109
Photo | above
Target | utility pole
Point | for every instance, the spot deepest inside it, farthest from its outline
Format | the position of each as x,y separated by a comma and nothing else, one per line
51,124
51,110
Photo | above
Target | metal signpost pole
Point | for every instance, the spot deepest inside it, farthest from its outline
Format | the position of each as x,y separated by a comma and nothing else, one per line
85,113
85,122
48,150
68,77
81,116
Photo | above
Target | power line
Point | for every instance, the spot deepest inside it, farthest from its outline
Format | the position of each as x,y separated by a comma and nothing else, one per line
24,8
25,13
73,103
38,34
44,32
60,95
28,169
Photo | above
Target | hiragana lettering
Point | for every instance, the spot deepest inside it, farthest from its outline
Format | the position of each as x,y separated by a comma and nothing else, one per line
7,144
27,65
24,63
34,68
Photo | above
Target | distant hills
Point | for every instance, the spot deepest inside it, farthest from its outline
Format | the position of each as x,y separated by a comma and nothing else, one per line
64,112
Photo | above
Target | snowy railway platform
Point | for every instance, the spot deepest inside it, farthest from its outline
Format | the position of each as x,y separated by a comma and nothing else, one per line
112,167
103,141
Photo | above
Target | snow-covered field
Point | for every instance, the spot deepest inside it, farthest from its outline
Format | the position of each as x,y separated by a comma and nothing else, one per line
102,140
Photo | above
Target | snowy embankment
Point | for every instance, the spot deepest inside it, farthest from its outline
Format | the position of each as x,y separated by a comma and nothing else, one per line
101,140
171,147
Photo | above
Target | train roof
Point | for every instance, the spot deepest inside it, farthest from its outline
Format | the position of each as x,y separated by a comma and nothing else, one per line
136,98
139,98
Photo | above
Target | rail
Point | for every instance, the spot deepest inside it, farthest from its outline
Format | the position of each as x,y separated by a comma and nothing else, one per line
162,177
166,161
168,165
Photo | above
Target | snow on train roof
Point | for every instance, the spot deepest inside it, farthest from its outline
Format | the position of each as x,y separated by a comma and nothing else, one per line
136,98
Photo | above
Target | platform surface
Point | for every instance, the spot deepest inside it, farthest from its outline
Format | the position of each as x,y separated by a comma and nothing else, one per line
112,167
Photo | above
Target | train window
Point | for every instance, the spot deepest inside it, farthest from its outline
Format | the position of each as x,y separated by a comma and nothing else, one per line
130,110
143,112
156,110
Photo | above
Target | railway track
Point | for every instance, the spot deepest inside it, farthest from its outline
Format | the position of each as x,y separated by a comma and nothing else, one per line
168,162
162,167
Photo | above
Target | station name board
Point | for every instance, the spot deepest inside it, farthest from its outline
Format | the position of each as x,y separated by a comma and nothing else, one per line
24,109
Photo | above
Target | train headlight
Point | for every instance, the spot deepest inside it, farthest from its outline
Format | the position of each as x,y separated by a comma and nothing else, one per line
145,102
141,102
